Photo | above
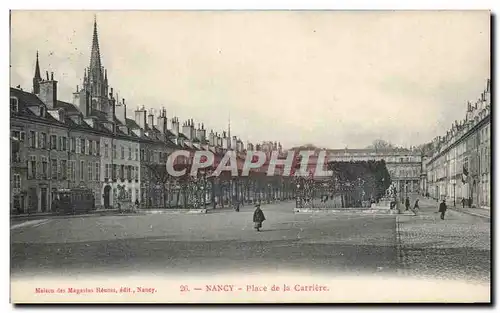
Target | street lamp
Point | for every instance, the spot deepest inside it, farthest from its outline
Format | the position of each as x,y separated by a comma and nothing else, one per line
454,186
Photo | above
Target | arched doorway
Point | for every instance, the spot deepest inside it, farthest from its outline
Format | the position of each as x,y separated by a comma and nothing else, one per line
107,190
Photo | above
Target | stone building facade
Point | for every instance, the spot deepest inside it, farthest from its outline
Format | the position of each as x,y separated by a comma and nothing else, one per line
460,166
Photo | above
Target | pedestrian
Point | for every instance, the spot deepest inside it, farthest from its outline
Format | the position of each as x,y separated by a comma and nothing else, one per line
258,217
415,206
463,203
442,209
407,203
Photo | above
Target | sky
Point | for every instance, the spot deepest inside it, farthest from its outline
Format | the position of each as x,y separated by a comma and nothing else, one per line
330,78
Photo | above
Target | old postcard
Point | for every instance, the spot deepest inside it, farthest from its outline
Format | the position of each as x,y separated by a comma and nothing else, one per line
250,156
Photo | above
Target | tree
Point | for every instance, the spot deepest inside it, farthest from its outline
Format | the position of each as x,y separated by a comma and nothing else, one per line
380,144
160,176
357,178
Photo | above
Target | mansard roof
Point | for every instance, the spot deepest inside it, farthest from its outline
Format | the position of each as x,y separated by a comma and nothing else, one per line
68,107
26,99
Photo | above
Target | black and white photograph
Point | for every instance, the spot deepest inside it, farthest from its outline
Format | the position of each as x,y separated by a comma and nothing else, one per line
250,156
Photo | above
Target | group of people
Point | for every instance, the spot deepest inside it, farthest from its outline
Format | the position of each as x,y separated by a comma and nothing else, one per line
442,207
258,215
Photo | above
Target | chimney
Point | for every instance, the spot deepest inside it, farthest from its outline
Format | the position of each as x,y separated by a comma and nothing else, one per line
211,138
121,112
234,144
151,119
162,121
48,92
186,129
140,117
111,107
192,132
202,135
175,126
81,99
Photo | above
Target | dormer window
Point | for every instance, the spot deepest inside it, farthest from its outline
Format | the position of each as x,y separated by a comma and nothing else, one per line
42,111
14,107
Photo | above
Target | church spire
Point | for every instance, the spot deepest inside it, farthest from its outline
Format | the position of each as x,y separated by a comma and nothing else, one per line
95,55
37,78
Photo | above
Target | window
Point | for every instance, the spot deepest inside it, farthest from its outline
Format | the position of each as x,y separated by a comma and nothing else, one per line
132,174
142,154
129,174
42,111
88,147
71,166
64,143
136,154
96,172
114,151
72,144
82,170
106,171
32,139
14,107
137,172
45,169
59,144
78,145
122,152
106,150
53,139
91,147
17,180
32,167
15,134
129,153
42,141
82,146
114,171
122,171
97,147
90,171
64,169
53,168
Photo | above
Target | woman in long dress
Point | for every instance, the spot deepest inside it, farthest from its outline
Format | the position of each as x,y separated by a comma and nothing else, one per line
258,217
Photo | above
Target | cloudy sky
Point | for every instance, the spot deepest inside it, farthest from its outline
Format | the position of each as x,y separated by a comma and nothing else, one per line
333,79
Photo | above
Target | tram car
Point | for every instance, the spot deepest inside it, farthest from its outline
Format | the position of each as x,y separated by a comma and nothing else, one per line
74,201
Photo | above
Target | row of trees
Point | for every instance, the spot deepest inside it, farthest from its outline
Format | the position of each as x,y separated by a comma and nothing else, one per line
223,190
354,182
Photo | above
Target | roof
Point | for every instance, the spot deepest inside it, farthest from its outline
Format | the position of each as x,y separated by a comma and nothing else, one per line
26,99
132,124
68,107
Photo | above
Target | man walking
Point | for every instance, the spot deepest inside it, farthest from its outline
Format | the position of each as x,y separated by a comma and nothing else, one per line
258,217
442,209
416,207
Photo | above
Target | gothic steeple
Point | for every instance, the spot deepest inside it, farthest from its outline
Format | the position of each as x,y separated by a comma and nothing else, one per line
37,78
95,55
95,77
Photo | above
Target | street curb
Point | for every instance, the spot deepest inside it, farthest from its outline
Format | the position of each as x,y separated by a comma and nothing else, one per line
470,213
56,216
353,211
169,211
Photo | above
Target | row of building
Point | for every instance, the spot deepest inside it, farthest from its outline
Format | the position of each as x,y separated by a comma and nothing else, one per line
91,142
459,167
